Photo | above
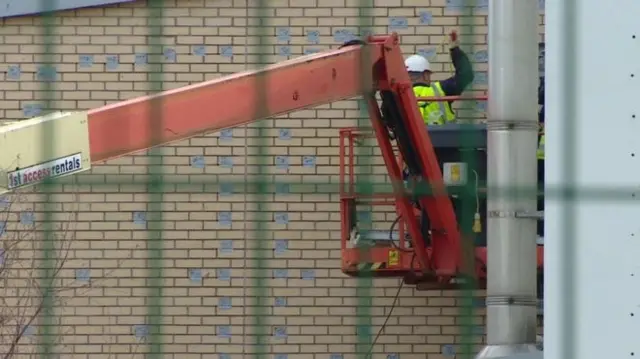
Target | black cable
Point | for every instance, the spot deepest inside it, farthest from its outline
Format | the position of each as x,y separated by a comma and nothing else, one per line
393,243
386,320
393,305
352,43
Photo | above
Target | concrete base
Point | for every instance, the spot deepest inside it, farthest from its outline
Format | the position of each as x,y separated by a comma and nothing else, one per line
520,351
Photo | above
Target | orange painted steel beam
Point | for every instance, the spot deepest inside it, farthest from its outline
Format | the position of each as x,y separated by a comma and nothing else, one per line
127,127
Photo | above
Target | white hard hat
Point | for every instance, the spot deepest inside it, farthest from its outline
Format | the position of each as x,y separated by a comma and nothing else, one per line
417,63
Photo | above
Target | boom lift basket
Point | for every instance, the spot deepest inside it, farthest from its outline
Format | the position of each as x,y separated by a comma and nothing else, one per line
389,251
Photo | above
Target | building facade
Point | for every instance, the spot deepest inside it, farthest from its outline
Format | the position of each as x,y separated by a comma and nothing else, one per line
104,219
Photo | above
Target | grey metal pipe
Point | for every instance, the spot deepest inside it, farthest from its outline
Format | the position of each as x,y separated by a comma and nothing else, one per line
512,141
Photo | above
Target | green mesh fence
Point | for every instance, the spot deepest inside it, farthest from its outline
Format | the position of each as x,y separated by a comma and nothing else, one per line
257,188
48,247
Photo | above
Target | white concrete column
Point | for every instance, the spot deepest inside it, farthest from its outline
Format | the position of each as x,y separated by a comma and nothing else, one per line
512,131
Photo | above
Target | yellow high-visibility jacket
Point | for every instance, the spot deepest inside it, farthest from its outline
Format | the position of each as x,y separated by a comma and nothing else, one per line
435,112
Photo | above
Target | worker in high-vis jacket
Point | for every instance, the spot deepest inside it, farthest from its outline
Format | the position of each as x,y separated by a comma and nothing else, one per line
419,68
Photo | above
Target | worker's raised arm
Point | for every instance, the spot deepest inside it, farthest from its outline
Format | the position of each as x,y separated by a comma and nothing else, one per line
463,77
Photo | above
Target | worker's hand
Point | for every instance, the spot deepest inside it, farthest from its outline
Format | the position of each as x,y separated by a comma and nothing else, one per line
453,39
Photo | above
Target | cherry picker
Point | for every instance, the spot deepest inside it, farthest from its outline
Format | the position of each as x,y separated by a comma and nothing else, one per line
432,256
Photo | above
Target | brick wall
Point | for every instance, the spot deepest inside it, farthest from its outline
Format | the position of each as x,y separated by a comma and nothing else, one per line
103,219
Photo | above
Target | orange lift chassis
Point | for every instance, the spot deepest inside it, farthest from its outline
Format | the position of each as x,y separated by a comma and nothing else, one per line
124,128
